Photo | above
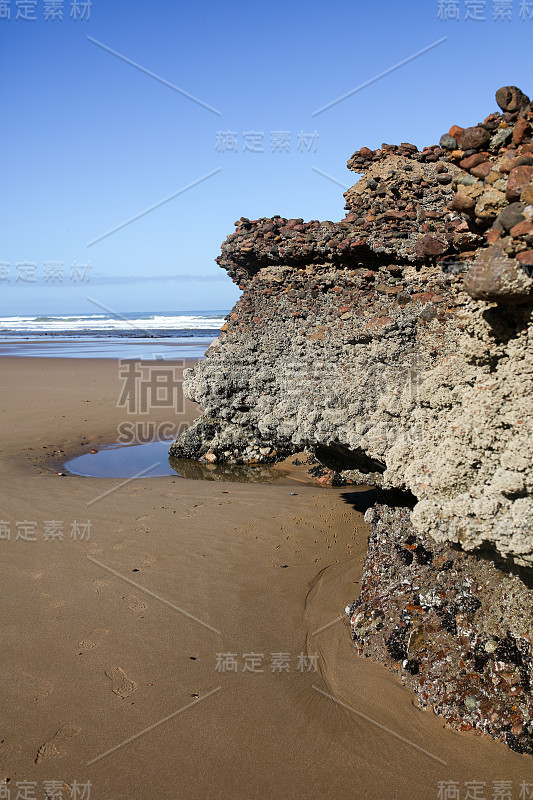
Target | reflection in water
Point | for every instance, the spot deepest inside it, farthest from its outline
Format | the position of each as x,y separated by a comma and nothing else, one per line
151,461
224,472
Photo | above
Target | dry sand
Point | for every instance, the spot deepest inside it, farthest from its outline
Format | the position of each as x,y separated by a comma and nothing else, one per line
89,660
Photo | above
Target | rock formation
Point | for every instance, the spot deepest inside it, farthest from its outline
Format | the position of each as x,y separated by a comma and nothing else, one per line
396,344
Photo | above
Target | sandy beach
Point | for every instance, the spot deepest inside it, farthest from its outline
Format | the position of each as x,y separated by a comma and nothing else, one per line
190,643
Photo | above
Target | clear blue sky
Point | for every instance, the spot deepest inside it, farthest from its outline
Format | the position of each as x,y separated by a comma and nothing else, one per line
88,141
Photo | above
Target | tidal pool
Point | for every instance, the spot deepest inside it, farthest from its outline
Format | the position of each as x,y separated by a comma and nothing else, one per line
152,461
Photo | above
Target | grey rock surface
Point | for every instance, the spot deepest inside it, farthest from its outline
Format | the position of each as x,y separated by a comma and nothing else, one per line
397,343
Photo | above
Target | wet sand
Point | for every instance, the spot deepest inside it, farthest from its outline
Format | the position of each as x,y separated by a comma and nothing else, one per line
110,647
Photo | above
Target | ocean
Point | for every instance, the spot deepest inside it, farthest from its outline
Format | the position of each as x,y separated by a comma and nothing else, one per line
146,335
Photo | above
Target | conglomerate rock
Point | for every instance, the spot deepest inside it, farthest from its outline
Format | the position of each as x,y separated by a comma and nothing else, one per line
397,345
398,342
457,629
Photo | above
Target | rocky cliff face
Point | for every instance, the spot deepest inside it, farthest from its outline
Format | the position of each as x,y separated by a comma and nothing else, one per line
397,343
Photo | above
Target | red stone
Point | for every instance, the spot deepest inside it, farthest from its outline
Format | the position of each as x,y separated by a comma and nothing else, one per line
463,202
474,137
456,131
474,160
391,214
521,129
525,258
482,170
519,177
424,297
492,236
522,228
507,161
378,322
429,245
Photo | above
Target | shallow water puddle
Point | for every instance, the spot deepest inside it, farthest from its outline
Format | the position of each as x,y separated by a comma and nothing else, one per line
152,461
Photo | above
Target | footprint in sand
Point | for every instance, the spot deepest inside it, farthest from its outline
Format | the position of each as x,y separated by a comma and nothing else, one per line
56,746
123,544
93,639
146,558
121,684
142,529
136,605
53,603
39,687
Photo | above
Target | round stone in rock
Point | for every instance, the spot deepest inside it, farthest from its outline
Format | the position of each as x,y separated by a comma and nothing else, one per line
473,160
526,259
489,205
511,98
448,142
464,200
495,277
470,702
429,245
526,195
474,138
511,215
481,170
521,130
519,177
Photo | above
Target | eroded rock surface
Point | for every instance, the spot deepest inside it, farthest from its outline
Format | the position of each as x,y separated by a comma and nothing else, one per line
457,629
398,342
397,346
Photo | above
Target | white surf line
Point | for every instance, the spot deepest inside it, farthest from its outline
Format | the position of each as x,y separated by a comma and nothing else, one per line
379,725
152,208
155,76
331,178
120,485
380,76
117,315
152,594
152,727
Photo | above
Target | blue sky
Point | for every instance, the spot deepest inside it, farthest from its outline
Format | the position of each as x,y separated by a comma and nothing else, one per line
89,141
